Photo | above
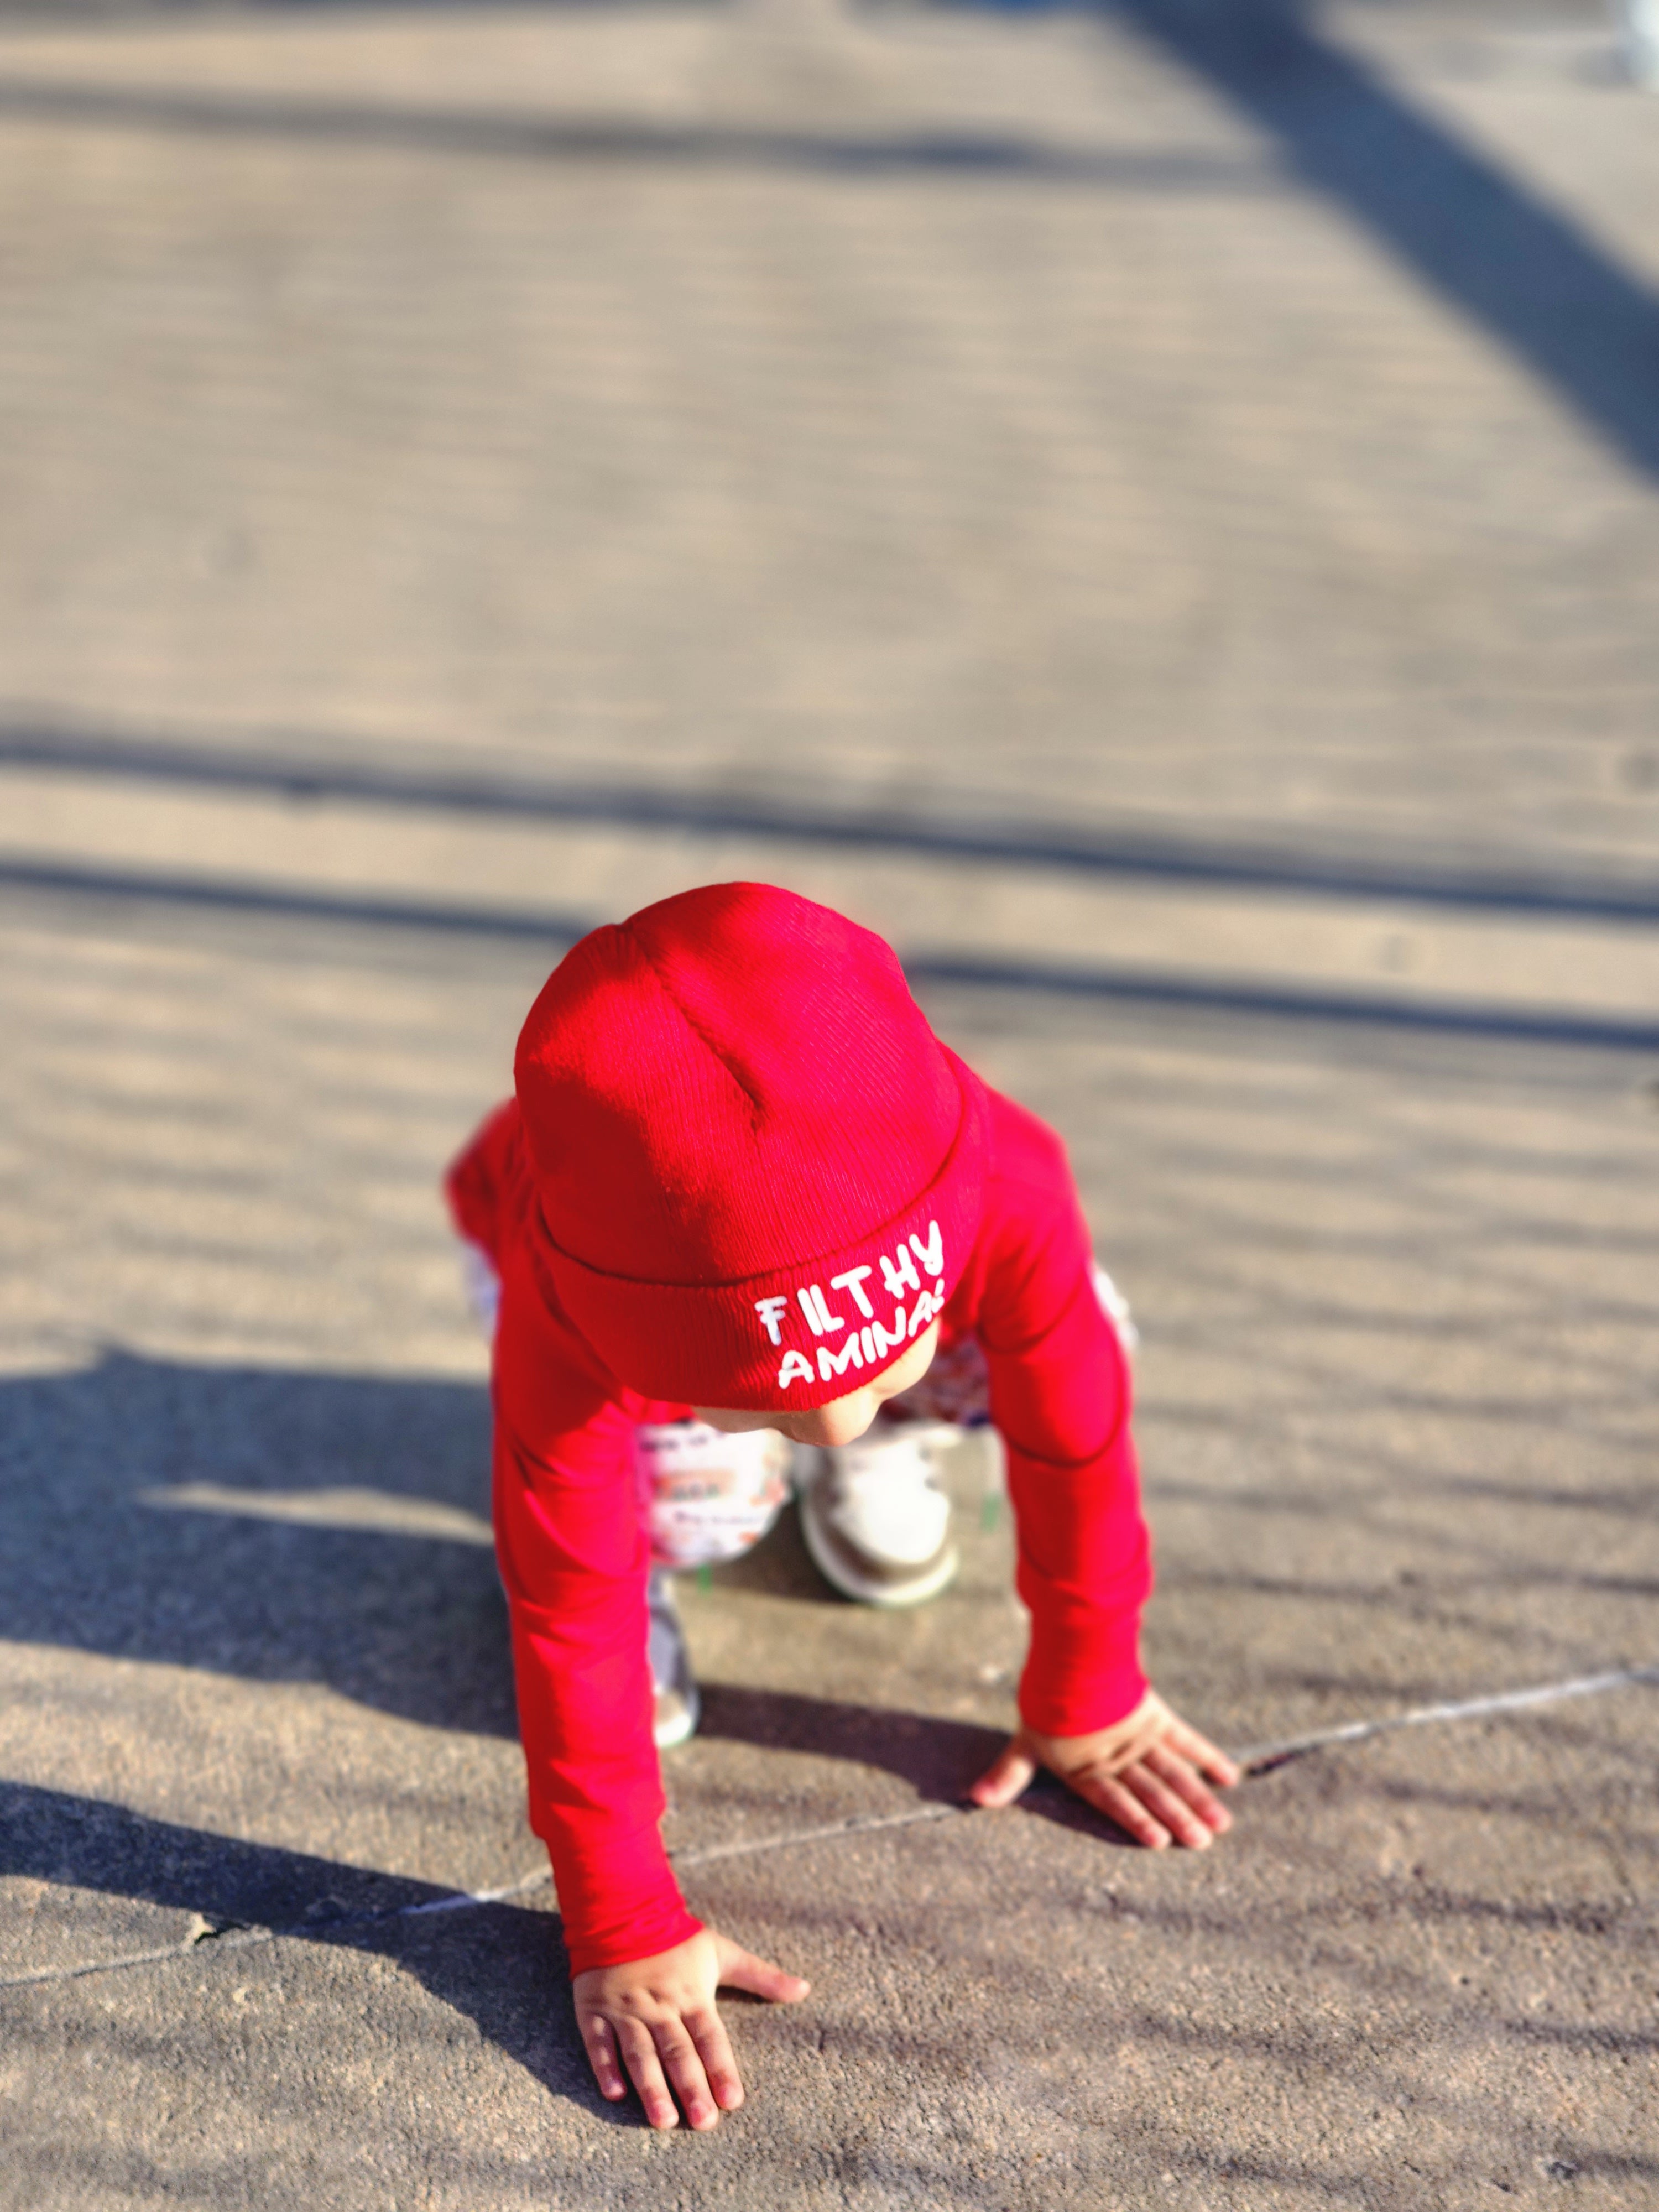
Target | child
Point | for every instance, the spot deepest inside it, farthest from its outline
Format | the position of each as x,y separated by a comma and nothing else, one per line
741,1185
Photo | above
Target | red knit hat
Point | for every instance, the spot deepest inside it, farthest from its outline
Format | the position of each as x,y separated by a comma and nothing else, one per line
759,1170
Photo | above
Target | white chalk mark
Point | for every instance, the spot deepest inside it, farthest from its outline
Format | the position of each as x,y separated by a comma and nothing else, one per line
1258,1758
1262,1755
375,1512
233,1939
861,1825
465,1898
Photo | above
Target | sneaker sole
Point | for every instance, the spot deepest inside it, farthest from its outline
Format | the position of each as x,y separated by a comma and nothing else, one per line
892,1597
684,1726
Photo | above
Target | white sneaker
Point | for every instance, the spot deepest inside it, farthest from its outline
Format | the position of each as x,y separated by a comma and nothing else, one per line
875,1520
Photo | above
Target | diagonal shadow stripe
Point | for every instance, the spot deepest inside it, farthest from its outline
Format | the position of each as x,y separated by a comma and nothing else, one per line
1520,269
1524,271
502,134
506,1973
1200,994
1414,877
47,1835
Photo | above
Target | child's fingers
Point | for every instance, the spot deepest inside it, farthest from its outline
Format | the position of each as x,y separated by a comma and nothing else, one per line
1172,1769
1213,1764
684,2066
640,2054
1109,1794
601,2047
1007,1775
708,2031
1180,1822
742,1970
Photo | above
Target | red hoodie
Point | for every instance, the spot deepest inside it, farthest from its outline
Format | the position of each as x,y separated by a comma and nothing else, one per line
573,1556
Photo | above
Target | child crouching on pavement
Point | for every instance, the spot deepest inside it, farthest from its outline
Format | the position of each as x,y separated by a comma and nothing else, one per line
744,1199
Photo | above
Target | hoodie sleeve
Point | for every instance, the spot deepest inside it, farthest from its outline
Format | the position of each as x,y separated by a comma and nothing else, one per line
574,1559
1060,1398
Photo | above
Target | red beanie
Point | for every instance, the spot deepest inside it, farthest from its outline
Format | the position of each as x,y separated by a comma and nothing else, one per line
759,1169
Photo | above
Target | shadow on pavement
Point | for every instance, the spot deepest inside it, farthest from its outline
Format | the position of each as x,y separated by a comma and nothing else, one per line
530,136
1522,271
407,1621
411,1623
1365,1010
309,777
938,1757
334,1528
500,1965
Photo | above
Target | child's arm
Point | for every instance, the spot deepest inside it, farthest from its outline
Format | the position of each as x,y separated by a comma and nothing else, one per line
572,1553
1147,1773
1060,1398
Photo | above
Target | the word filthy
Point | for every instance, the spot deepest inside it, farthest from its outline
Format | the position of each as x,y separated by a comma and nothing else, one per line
867,1343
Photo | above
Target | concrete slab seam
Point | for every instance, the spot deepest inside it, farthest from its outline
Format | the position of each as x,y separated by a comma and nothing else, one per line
1258,1759
1262,1759
863,1825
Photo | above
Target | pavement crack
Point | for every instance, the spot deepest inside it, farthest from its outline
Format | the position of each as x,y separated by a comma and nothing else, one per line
203,1930
1254,1768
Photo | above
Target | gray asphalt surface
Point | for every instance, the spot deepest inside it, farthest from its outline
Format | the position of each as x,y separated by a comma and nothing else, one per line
1044,483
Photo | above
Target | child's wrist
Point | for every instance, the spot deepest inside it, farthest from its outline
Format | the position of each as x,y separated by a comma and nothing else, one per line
1120,1743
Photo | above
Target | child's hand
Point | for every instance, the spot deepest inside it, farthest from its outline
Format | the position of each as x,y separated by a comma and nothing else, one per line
657,2017
1146,1772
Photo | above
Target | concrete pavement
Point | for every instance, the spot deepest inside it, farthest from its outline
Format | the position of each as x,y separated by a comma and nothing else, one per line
963,424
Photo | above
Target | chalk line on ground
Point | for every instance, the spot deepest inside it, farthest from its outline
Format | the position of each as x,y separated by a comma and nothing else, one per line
1261,1759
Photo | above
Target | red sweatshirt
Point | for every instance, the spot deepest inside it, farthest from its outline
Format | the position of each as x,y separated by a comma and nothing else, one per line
573,1556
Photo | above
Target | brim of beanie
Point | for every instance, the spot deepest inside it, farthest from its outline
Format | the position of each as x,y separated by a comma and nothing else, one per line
792,1339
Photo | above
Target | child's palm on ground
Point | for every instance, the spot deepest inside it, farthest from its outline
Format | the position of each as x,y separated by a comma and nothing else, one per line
1149,1772
655,2020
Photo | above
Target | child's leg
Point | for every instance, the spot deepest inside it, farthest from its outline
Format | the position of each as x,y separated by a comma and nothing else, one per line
705,1498
678,1708
483,1286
